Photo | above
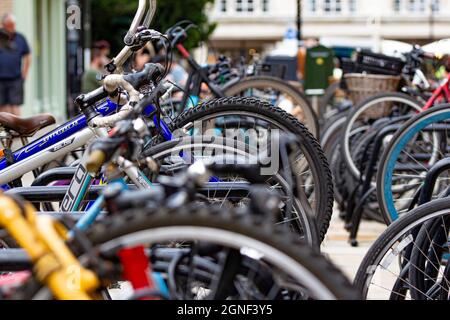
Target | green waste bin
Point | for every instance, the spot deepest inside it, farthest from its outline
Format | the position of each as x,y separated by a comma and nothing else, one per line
319,67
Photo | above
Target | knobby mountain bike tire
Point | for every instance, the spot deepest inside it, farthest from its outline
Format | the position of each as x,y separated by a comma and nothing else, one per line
265,82
258,109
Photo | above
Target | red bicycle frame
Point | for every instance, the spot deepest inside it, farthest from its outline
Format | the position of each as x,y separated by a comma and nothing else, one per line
440,95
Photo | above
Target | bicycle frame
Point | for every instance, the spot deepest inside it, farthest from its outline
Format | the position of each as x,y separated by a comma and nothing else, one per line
59,134
59,142
197,76
440,95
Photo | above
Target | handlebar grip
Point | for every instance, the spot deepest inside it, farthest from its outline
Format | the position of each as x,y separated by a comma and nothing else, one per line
151,72
96,160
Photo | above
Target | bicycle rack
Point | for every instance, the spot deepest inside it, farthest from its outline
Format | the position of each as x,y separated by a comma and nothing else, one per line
427,188
14,260
423,196
38,194
53,175
367,189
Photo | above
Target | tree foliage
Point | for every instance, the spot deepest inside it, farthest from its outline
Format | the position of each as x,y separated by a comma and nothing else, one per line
112,18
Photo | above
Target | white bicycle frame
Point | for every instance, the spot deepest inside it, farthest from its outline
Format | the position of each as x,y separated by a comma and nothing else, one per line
48,155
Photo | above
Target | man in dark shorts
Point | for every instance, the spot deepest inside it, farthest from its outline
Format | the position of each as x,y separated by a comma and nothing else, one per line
15,61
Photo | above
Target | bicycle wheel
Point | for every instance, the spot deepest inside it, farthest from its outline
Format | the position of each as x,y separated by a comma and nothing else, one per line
332,130
391,267
292,267
278,93
192,248
334,101
249,113
414,149
331,145
232,189
365,114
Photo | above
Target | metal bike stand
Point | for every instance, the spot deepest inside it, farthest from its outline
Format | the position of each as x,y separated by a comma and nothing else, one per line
352,197
37,194
53,175
426,192
367,189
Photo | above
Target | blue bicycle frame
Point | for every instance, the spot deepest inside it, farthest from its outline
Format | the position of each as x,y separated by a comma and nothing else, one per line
72,127
62,132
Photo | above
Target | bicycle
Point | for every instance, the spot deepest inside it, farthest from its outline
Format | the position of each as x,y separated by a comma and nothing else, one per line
409,261
206,234
229,84
412,153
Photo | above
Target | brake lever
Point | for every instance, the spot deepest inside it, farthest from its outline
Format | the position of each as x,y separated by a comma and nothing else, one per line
144,36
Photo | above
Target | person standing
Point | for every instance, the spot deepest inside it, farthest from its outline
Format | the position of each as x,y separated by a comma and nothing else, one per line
15,62
99,58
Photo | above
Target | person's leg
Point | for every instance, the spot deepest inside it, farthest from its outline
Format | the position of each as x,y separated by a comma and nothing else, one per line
15,96
4,106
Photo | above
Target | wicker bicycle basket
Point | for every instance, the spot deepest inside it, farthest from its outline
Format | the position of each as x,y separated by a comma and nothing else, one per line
363,86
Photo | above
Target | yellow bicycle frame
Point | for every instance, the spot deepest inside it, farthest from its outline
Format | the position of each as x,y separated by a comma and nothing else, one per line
43,238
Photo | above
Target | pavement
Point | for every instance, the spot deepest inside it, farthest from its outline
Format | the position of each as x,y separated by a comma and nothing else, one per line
340,252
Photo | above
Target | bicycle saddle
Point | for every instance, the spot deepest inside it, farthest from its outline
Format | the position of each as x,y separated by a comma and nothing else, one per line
25,126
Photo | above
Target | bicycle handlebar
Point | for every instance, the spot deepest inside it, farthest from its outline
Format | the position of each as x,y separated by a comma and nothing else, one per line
131,83
140,19
151,73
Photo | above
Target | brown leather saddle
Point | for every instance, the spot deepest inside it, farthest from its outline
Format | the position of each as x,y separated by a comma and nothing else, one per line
25,127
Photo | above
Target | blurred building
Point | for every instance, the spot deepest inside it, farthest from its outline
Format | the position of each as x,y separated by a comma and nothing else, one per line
256,24
54,48
43,22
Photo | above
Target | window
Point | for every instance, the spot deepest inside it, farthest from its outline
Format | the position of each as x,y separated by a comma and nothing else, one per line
250,7
435,5
416,5
265,5
312,5
352,5
332,6
239,6
223,5
245,5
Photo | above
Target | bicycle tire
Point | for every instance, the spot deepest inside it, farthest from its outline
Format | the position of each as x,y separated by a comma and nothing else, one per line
393,150
305,223
251,226
301,260
310,146
391,234
259,82
360,109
